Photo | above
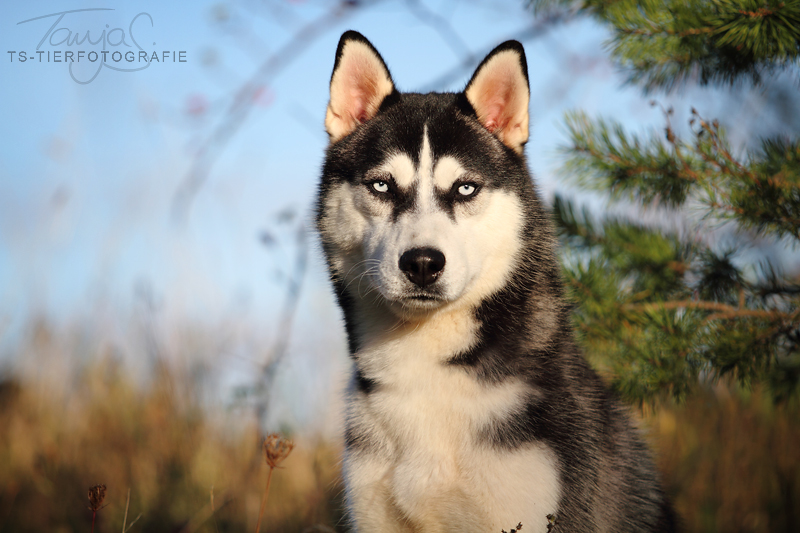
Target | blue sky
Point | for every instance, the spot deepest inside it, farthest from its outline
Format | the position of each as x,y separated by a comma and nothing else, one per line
89,172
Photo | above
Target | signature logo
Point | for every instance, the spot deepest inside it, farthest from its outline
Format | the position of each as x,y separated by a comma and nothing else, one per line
112,48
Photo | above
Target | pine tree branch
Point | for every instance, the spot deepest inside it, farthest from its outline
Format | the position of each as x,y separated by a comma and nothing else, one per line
666,31
664,43
725,311
753,313
662,309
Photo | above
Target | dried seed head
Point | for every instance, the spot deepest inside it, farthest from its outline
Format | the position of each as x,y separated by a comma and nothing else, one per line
96,496
276,449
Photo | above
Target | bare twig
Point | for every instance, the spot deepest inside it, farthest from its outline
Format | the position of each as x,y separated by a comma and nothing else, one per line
279,349
539,27
242,102
442,27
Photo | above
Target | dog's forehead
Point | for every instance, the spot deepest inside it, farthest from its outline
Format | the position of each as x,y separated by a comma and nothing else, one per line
407,168
429,132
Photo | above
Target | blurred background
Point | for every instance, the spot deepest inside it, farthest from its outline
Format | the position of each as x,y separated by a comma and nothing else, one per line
163,300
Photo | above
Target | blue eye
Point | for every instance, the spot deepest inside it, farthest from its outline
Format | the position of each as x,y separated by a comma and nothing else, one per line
467,189
380,186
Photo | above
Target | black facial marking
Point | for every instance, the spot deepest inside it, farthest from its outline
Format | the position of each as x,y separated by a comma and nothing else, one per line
351,438
357,439
364,384
404,201
447,200
374,181
400,199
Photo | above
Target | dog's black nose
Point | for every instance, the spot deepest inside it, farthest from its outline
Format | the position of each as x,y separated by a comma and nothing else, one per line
422,265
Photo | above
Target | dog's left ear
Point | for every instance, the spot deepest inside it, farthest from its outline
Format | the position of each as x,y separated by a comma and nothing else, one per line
359,83
499,93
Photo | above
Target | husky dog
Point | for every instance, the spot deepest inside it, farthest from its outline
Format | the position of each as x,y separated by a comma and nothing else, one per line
470,407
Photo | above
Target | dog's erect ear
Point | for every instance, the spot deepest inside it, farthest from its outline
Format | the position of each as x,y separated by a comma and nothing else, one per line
499,93
359,84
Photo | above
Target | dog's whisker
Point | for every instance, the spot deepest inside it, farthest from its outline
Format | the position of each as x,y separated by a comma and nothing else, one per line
367,273
358,277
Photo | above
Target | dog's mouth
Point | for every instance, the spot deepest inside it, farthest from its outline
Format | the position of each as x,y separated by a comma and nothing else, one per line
422,300
406,298
424,297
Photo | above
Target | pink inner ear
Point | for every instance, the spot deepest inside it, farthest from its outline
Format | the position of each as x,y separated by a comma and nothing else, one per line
499,94
357,107
494,118
359,84
362,91
495,110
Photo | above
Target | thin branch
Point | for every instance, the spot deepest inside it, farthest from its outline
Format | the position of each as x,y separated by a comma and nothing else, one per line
442,26
750,313
539,28
242,102
682,304
724,311
279,350
657,30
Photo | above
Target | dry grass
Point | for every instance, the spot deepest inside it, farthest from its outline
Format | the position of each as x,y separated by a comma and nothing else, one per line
731,462
187,468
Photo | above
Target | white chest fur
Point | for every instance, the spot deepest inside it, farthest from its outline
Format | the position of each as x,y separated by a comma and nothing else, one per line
426,469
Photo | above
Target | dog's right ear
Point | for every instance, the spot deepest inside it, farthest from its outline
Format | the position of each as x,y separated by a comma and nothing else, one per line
499,92
359,83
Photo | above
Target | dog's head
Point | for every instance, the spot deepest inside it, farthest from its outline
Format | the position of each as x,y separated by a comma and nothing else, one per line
421,199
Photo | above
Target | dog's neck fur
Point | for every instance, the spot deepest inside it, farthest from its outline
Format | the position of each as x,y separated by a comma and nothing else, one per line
446,331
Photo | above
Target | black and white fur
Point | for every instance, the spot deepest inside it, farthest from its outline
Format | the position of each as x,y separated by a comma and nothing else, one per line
470,408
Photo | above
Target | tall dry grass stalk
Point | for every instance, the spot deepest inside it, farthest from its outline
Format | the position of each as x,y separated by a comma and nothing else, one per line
125,526
97,494
276,449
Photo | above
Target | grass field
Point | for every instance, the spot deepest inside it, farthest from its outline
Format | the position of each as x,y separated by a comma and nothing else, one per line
72,416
